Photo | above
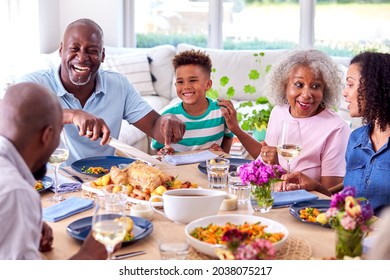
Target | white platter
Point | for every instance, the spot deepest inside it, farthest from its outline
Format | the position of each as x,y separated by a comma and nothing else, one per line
209,249
87,187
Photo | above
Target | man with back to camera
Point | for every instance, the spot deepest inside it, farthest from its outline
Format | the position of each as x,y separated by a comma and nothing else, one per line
30,127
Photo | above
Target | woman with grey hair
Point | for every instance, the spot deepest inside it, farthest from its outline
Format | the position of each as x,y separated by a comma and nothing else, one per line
319,64
305,86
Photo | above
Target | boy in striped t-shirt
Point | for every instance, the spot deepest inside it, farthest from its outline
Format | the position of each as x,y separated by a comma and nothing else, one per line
205,126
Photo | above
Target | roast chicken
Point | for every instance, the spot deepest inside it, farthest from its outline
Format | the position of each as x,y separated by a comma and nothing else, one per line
140,174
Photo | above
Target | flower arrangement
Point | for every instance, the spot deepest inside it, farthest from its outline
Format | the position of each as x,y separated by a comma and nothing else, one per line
261,176
352,218
239,247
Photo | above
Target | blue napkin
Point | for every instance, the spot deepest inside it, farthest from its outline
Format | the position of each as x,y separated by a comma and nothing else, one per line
288,198
282,199
67,187
66,208
189,158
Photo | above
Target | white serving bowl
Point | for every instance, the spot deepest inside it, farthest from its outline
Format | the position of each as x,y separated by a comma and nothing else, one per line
221,220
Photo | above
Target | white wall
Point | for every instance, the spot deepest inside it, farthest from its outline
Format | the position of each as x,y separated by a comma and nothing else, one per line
55,15
106,13
48,11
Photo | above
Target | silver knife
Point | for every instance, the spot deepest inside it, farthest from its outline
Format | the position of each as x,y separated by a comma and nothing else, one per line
77,178
132,152
128,255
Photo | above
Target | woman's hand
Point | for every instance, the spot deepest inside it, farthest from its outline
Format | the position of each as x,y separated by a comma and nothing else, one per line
293,181
269,154
230,114
297,180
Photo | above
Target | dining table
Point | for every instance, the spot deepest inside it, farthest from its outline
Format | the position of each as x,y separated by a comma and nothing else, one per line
305,240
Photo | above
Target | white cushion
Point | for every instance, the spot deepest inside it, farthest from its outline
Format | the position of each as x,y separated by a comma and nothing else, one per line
236,65
135,67
160,65
162,68
156,102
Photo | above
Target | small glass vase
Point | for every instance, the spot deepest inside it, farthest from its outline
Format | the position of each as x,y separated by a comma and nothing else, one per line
262,198
348,243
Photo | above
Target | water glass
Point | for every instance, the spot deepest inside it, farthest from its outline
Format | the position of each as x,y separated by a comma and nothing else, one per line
217,172
174,250
241,190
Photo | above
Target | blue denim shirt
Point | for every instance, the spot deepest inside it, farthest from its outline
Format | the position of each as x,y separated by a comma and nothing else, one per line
367,170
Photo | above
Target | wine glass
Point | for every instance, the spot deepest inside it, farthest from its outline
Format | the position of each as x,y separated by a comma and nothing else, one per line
289,141
60,155
109,224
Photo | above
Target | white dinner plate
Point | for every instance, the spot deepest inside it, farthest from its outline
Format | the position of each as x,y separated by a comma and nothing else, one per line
221,220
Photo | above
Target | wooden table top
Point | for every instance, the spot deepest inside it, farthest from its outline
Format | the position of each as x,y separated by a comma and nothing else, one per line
321,240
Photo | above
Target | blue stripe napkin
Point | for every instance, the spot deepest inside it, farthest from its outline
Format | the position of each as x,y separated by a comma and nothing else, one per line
66,208
189,158
67,187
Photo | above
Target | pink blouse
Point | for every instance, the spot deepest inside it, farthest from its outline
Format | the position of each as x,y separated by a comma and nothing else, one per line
324,142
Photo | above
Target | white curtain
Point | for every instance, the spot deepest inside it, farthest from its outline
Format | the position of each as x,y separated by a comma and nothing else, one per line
19,28
19,33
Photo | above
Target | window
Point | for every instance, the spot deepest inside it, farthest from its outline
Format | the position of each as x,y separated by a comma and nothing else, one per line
338,27
256,25
171,22
345,28
238,24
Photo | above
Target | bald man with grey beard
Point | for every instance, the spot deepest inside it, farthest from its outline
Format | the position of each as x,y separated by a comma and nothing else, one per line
31,120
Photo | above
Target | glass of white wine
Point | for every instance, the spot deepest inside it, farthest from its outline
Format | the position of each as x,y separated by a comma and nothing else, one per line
289,141
60,155
109,221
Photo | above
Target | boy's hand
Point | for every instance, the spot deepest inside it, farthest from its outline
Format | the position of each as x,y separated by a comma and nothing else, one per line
216,147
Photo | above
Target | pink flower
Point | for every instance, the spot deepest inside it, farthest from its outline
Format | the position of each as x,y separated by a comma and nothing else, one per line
259,249
348,222
332,212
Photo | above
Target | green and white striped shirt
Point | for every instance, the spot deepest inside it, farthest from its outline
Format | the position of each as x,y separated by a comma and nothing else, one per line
201,131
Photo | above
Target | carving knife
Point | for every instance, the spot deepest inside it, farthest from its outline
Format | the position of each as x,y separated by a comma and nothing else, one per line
132,152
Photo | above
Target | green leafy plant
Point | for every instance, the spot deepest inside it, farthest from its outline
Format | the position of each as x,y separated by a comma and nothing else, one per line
256,118
249,120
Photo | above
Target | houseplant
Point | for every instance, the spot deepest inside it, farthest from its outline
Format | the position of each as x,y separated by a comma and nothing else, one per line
253,116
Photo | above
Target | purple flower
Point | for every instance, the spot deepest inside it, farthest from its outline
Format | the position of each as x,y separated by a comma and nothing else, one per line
367,211
348,191
259,173
350,213
233,238
337,201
